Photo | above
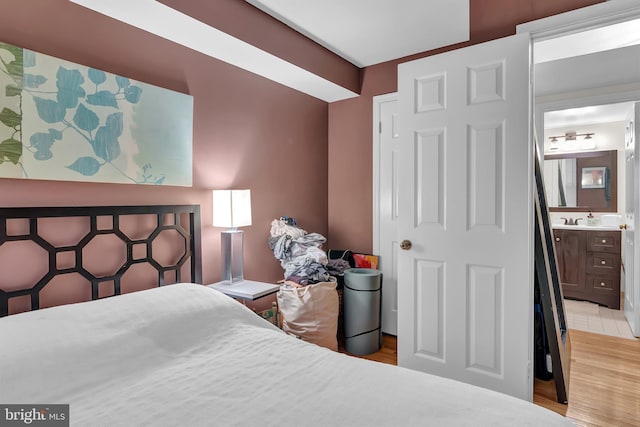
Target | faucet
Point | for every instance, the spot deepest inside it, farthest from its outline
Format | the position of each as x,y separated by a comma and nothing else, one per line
571,221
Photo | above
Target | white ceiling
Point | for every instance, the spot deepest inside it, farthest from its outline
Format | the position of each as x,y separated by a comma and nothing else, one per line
586,42
600,47
588,115
368,32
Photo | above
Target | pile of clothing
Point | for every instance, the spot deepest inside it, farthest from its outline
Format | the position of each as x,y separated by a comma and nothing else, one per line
299,252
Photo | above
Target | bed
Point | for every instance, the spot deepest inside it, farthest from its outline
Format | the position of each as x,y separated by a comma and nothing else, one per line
183,354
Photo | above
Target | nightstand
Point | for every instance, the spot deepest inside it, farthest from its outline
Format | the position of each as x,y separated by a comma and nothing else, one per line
246,289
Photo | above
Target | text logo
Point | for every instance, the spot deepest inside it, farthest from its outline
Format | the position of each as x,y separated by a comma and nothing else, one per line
34,415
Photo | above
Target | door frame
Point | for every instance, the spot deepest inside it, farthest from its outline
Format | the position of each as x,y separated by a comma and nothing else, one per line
596,16
632,314
587,18
378,223
378,100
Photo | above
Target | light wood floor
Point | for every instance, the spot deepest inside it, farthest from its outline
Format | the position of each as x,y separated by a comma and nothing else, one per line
604,381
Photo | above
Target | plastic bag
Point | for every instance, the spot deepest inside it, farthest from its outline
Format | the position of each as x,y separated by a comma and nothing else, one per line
311,313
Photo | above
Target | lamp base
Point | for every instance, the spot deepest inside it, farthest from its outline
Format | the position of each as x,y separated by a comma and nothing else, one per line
231,252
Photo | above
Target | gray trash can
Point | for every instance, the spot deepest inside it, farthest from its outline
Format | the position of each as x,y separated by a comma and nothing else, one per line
362,304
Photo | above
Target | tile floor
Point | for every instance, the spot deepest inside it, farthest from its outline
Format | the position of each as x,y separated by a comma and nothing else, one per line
590,317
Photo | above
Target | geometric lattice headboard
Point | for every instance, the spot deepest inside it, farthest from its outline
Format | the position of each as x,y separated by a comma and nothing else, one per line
178,223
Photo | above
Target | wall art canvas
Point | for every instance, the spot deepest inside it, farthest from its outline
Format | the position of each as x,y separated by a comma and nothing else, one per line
594,177
64,121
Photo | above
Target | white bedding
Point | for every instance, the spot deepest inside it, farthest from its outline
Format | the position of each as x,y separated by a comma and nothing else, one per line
186,355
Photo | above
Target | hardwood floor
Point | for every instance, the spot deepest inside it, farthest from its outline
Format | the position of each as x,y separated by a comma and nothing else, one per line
604,381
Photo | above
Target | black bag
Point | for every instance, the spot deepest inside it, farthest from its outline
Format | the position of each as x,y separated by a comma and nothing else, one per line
541,343
339,260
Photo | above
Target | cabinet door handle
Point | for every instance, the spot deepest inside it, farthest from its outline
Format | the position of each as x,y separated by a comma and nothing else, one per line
557,239
603,284
604,241
603,262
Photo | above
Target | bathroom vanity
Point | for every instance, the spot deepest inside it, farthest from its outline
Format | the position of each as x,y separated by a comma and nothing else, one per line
589,261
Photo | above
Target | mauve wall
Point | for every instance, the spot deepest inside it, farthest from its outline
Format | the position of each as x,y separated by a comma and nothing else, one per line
351,121
248,131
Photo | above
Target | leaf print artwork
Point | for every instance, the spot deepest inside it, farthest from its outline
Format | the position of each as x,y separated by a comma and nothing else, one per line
60,120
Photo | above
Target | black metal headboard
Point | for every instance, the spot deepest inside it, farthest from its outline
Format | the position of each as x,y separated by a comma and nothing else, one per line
182,220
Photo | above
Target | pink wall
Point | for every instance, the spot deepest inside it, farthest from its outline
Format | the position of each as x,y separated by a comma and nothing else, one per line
351,121
248,131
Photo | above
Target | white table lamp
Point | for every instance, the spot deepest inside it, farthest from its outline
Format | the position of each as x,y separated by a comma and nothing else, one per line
232,209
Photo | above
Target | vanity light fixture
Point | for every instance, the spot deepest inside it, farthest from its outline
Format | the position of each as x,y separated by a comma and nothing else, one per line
571,136
571,141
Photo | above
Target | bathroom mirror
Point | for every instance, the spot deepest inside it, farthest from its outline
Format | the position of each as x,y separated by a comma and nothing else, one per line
580,182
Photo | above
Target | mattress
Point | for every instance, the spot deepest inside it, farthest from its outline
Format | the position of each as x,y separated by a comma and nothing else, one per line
187,355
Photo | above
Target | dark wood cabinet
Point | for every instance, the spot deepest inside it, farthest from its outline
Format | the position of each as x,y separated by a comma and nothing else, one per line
589,265
571,253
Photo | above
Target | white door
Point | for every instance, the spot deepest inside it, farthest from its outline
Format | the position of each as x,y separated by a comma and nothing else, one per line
387,164
465,287
632,204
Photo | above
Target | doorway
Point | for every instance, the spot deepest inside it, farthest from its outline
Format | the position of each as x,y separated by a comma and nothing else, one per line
593,94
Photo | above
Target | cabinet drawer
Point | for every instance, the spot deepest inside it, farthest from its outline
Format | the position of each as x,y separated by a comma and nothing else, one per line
604,290
602,283
603,263
603,241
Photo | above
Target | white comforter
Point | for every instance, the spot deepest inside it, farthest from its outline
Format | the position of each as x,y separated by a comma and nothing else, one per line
186,355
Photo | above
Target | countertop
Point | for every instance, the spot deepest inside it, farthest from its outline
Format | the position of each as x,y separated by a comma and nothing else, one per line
586,227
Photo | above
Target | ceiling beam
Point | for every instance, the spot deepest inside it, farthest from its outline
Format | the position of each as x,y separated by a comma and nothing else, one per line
168,23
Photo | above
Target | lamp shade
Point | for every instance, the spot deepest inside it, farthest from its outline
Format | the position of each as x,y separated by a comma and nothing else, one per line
231,208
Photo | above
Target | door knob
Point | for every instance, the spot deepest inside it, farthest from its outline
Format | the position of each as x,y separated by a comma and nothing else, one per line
405,245
623,226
